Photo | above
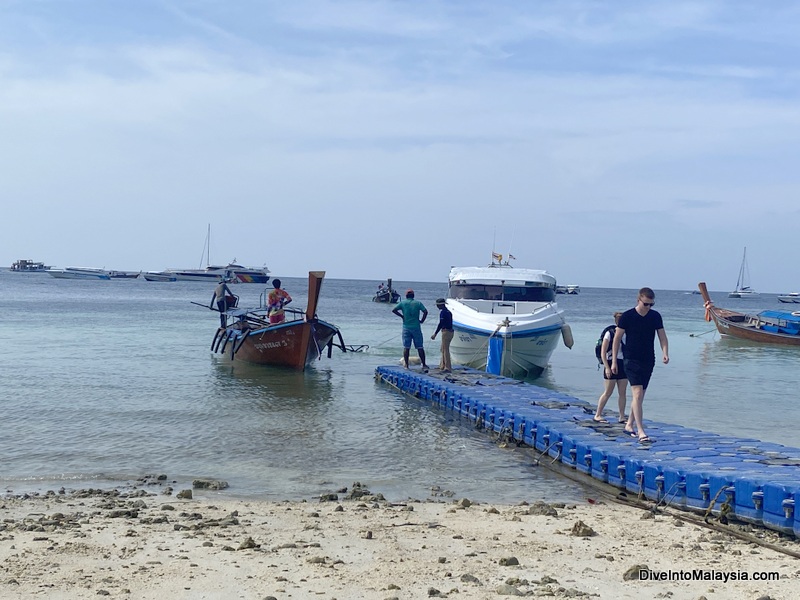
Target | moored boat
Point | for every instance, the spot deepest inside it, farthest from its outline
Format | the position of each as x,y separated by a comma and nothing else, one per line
158,276
386,293
124,274
295,342
767,326
790,298
506,320
233,272
24,265
743,289
79,273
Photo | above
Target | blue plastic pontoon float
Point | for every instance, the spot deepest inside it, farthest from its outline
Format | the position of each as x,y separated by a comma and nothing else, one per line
753,481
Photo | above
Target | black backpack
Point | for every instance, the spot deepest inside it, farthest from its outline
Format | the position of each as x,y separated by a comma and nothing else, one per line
598,349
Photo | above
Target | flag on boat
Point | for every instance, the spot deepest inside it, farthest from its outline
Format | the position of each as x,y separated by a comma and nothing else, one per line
512,257
497,257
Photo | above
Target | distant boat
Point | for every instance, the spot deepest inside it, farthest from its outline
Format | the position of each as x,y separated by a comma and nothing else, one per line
568,289
79,273
29,266
767,326
743,289
158,276
386,293
233,272
124,274
295,342
790,298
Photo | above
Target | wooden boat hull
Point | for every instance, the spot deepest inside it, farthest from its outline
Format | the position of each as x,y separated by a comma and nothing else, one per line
744,326
388,297
294,345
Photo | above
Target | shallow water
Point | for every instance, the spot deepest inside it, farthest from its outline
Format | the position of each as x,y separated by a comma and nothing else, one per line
106,381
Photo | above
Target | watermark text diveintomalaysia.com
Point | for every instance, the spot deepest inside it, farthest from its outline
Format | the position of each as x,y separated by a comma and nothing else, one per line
707,575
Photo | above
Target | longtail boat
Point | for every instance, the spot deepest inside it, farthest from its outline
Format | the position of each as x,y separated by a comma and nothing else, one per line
767,326
295,342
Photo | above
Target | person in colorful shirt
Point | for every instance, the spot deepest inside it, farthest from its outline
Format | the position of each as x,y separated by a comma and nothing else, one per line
276,300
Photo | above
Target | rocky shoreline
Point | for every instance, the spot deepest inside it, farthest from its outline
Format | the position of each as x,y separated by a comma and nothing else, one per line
149,541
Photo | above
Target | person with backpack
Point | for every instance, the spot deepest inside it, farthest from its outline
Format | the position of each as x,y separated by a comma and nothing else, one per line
611,380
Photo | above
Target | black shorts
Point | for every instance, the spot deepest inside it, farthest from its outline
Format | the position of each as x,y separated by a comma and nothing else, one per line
639,373
620,372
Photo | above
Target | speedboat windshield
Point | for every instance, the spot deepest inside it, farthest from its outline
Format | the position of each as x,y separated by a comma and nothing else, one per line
508,292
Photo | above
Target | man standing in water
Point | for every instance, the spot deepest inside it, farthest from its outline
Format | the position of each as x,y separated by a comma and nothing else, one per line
639,325
409,310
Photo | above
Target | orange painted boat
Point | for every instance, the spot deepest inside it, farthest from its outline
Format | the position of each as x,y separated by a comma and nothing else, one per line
767,326
295,343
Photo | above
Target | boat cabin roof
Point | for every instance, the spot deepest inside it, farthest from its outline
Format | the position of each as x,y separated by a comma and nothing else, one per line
781,315
496,274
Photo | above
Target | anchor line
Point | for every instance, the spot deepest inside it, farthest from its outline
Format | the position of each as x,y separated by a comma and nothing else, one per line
485,345
713,502
699,334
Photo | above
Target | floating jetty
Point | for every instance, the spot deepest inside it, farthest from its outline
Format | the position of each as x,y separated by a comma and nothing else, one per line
747,479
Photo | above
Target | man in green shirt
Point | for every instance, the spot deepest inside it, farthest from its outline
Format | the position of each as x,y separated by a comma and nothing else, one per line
409,310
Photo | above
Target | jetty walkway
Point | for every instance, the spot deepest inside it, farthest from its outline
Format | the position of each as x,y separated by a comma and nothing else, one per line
753,481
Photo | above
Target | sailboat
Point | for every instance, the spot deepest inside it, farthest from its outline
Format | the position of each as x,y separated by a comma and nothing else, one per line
743,289
233,272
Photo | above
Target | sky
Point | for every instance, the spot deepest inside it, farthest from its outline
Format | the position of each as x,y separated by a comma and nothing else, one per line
614,144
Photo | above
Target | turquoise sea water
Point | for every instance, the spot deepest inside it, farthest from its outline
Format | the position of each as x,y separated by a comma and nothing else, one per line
103,382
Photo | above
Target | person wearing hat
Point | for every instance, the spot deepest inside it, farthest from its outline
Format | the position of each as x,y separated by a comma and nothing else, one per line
276,300
410,310
446,327
221,292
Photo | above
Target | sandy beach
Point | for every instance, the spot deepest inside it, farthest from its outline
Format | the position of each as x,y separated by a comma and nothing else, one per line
151,541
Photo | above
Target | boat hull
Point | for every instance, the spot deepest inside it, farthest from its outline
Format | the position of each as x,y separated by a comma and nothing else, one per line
520,349
294,345
392,297
790,298
154,276
76,274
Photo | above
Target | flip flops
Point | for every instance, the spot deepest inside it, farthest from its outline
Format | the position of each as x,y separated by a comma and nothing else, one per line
600,420
631,433
645,440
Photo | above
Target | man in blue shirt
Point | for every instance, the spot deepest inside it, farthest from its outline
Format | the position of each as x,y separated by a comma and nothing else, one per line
409,310
446,327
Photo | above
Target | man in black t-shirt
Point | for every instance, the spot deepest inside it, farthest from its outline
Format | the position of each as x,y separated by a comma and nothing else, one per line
639,325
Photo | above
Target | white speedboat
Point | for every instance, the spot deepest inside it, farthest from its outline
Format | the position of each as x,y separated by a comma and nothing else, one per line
158,276
790,298
506,320
79,273
233,272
